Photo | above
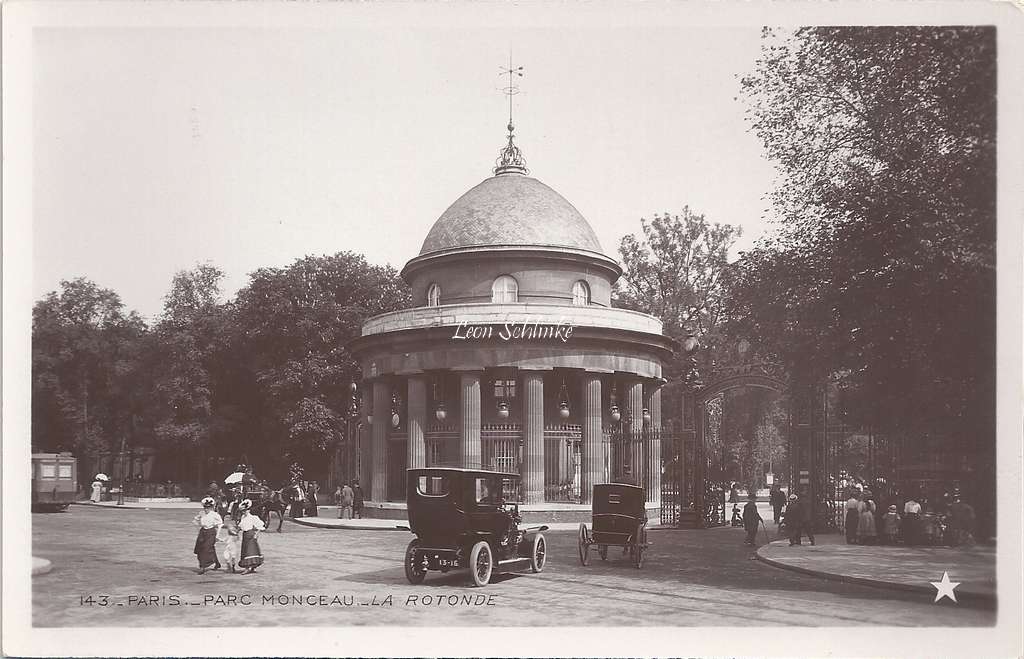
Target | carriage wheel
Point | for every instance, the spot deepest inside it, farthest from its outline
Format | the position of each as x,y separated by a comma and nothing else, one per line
481,563
637,551
414,571
539,555
584,544
602,551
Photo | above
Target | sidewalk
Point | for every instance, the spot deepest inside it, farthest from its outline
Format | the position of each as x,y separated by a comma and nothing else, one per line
896,567
135,505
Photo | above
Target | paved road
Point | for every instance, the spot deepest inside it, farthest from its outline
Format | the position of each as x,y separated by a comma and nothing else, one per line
142,561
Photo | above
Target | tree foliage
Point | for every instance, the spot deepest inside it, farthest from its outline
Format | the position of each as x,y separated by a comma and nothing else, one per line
292,326
262,377
84,368
881,271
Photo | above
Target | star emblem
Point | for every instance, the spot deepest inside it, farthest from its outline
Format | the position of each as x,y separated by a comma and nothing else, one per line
944,588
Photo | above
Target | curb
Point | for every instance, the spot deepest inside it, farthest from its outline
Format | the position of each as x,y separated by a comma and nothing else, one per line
347,527
40,566
967,596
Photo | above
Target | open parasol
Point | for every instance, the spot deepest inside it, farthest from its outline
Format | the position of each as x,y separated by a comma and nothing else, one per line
102,477
234,478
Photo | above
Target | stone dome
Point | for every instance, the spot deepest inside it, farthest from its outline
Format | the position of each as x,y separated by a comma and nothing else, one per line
511,209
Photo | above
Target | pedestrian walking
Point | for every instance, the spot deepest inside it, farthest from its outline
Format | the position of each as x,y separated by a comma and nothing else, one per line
357,499
209,523
346,499
298,500
312,491
792,520
777,500
891,525
97,491
911,521
961,522
853,507
866,533
751,519
250,526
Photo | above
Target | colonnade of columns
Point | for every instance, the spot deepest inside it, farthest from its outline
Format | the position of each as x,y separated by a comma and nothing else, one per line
468,420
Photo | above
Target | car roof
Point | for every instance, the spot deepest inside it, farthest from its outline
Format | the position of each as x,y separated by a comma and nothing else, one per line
461,470
618,485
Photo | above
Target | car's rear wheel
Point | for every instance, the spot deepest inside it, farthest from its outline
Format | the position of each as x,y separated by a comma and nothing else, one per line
584,544
481,563
414,571
640,538
539,554
602,551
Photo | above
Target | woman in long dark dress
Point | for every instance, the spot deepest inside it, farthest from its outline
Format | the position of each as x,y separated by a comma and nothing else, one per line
209,522
250,526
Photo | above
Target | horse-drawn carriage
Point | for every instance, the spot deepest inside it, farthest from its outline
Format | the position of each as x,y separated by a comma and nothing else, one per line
619,520
468,518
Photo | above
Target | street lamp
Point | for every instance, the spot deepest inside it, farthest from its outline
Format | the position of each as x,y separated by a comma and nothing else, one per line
120,490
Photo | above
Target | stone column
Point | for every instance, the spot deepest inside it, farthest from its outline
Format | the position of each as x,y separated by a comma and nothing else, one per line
469,419
635,411
379,440
533,435
417,421
653,443
592,469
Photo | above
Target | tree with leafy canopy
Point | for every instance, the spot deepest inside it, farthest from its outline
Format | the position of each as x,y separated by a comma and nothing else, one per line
881,270
292,326
189,337
85,378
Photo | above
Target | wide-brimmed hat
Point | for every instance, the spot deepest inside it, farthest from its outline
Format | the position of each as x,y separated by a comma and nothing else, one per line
245,505
892,508
792,497
208,502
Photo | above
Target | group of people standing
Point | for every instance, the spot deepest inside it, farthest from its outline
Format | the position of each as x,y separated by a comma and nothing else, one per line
866,525
349,500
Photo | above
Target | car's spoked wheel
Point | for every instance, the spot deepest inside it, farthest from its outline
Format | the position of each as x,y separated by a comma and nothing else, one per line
414,571
638,551
602,551
539,556
584,544
481,563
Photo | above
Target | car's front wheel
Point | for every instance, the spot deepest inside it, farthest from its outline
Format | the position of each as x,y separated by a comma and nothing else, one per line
481,563
539,554
414,571
583,544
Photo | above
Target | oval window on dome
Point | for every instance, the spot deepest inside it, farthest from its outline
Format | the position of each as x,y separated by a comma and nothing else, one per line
580,294
434,295
504,289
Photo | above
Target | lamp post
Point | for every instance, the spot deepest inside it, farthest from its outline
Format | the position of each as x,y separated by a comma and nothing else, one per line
691,382
120,490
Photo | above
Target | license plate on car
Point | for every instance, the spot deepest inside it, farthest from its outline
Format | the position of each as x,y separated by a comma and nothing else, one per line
447,562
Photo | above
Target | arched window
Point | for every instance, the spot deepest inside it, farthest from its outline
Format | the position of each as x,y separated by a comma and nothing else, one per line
580,294
434,295
504,289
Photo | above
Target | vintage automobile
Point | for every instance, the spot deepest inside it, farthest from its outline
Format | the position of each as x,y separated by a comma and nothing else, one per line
54,484
619,520
468,518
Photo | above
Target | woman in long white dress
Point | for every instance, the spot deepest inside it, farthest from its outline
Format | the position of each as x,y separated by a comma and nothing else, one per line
97,491
250,526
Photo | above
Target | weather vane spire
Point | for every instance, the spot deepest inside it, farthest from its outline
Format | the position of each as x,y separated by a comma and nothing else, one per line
511,158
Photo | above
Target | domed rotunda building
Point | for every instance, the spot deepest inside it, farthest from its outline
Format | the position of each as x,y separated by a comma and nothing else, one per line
513,357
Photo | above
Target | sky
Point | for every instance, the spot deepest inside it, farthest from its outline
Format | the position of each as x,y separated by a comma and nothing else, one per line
160,146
